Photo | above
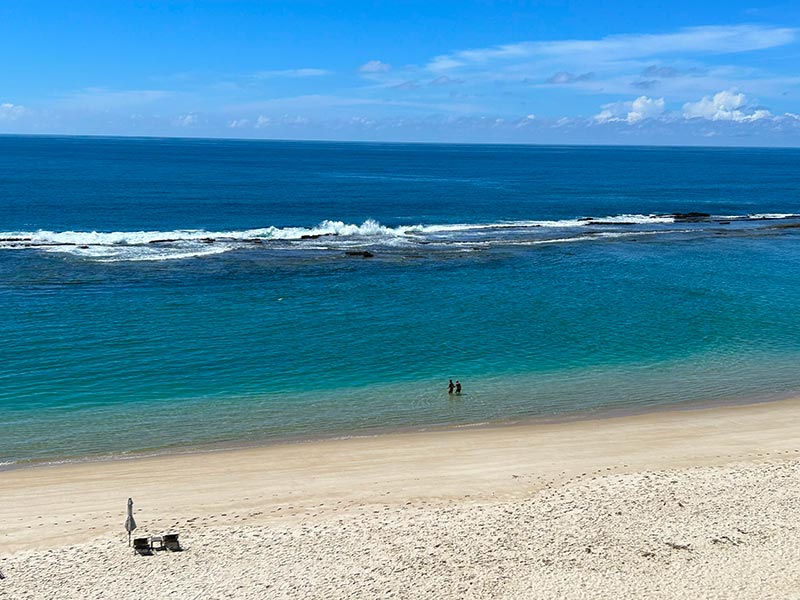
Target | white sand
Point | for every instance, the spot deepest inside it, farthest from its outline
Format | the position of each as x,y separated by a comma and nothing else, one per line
689,504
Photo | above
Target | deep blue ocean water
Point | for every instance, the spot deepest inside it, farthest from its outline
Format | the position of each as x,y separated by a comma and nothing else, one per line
157,294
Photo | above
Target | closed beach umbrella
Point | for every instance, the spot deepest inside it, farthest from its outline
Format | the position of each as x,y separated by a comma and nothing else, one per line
130,522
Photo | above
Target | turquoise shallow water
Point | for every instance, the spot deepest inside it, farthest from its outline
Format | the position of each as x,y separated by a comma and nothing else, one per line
169,293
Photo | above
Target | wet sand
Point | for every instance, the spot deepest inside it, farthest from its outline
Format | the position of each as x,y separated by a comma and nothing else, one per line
690,503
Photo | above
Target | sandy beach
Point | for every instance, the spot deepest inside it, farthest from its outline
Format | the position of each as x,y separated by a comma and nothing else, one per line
701,503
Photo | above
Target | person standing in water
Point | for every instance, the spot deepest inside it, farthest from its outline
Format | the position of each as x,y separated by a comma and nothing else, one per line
450,387
458,387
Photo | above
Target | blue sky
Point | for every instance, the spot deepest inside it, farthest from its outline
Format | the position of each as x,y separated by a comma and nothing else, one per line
675,72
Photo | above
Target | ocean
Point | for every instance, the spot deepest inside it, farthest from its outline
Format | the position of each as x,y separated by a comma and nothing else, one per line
159,295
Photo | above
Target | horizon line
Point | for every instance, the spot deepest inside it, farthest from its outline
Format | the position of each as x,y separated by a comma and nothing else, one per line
395,142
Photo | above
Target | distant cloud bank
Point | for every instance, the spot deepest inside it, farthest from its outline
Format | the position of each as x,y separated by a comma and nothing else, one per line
11,112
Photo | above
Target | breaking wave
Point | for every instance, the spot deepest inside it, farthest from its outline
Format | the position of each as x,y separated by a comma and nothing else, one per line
183,244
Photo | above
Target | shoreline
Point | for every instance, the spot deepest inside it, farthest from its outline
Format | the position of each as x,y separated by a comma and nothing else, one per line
285,481
698,503
575,416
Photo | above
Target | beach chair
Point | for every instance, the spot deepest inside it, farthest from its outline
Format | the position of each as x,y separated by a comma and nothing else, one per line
142,546
170,542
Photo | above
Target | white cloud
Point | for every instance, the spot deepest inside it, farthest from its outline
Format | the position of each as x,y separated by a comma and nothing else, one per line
726,105
291,73
186,120
239,123
11,112
444,63
564,77
362,121
263,122
527,120
631,112
294,120
722,39
375,66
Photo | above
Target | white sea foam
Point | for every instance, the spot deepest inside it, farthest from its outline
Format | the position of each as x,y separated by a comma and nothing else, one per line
772,216
168,256
757,217
369,228
556,224
181,244
123,253
637,219
595,236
